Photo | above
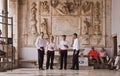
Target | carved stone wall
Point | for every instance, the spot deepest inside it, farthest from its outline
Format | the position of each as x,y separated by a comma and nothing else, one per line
90,19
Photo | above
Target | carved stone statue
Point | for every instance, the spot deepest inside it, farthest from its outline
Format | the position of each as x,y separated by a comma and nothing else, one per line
97,30
77,3
97,11
33,25
86,26
54,3
44,27
96,19
86,7
67,7
33,19
45,7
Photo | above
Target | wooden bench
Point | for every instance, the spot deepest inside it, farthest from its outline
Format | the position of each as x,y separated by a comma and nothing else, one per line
34,62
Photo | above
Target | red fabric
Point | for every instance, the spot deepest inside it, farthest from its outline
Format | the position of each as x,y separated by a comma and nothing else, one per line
63,51
42,48
93,53
49,51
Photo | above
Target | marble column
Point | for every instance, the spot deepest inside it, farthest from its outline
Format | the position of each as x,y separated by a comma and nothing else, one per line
5,20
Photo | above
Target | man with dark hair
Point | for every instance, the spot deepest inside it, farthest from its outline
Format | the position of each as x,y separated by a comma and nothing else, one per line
75,34
41,44
63,48
76,45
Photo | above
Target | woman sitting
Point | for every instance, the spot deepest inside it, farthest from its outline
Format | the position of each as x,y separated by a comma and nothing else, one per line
102,55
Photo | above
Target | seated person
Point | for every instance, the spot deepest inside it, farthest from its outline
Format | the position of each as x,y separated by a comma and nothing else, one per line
102,55
117,60
93,55
111,62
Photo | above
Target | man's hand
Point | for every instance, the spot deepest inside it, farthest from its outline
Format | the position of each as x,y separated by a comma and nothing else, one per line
52,47
59,51
66,46
41,49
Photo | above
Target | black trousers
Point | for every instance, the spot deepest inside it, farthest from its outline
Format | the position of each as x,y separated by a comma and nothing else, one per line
40,58
75,61
63,60
50,59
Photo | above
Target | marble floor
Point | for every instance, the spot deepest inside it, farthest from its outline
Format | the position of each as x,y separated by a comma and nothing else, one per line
55,72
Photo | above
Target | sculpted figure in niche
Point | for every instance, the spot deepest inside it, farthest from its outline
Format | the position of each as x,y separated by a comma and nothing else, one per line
45,7
44,26
72,7
33,19
54,3
33,25
97,30
86,7
97,11
65,8
77,3
97,19
86,26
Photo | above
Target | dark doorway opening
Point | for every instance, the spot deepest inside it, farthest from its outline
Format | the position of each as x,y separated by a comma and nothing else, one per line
115,45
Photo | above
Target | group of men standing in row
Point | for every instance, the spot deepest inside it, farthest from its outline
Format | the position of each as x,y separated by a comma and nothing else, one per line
51,47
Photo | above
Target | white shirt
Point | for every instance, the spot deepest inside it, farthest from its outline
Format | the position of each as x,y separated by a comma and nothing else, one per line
117,60
76,44
50,46
40,42
62,43
118,52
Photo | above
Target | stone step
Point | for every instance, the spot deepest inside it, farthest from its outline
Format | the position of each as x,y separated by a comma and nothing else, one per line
86,67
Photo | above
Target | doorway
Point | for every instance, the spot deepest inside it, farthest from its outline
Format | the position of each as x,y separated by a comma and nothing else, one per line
115,45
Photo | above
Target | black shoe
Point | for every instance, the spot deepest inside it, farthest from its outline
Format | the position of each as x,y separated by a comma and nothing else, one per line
51,68
60,68
72,68
77,69
65,68
41,69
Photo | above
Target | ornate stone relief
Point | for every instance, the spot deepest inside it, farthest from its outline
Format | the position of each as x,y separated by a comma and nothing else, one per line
54,3
33,24
86,8
44,7
66,7
93,27
96,18
33,19
58,17
86,26
44,27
